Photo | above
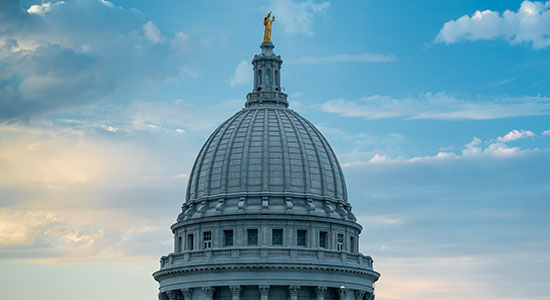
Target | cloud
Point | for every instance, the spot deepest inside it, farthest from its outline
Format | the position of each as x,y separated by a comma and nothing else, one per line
242,75
298,18
516,135
474,149
107,3
43,8
439,106
47,66
546,132
180,42
530,25
365,57
152,33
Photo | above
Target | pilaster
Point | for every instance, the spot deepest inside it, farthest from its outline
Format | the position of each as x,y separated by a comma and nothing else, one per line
321,291
359,294
293,290
235,292
187,294
208,292
264,292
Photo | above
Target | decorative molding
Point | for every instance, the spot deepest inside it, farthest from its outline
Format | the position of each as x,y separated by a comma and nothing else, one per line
176,271
293,290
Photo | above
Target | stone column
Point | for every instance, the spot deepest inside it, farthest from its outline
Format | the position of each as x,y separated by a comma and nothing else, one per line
187,294
341,293
264,292
359,294
321,291
208,292
293,290
236,292
173,295
163,296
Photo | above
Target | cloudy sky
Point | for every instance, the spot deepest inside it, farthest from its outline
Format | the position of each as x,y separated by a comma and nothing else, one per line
439,112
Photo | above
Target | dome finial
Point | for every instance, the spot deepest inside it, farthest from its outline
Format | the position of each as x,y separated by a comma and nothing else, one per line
267,29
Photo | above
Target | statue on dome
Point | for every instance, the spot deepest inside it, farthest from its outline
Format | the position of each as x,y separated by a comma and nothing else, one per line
267,31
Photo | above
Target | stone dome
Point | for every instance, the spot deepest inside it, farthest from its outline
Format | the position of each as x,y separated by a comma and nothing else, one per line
266,150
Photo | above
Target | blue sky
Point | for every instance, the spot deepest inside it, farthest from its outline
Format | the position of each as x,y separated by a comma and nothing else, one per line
439,112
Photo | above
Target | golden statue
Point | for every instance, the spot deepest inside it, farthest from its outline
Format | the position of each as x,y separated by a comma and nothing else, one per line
267,24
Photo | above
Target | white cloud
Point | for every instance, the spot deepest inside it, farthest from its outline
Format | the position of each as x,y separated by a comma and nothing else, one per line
438,106
180,42
546,132
298,18
473,149
107,3
152,33
242,75
365,57
530,24
43,8
516,135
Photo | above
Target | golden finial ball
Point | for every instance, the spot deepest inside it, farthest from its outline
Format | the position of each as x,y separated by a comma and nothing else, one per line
342,287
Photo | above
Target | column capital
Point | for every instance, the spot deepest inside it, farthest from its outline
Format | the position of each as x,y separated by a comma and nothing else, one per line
370,296
208,290
359,294
163,296
173,294
321,291
235,290
264,290
293,290
187,294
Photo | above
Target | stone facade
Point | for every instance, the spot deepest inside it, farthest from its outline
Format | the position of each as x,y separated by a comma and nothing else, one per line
266,214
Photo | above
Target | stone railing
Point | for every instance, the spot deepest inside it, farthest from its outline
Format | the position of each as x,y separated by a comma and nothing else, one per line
266,253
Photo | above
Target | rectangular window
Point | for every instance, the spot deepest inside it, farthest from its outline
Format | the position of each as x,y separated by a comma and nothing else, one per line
228,237
351,244
190,241
180,244
252,237
340,242
207,239
277,237
323,239
301,237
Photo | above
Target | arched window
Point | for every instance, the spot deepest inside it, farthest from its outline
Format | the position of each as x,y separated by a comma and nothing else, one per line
259,77
276,78
268,77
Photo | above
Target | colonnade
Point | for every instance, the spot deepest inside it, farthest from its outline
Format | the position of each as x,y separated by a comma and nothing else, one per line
236,290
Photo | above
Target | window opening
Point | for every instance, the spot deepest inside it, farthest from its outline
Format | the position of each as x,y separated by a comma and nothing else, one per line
301,237
207,239
228,237
340,242
277,237
190,241
268,77
252,237
323,239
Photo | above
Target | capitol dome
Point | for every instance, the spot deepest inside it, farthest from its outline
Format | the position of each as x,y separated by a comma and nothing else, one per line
266,214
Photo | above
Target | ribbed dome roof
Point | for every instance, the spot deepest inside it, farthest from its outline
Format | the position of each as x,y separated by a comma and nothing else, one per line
266,150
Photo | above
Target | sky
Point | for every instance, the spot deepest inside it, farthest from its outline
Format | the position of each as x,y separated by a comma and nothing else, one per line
438,111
